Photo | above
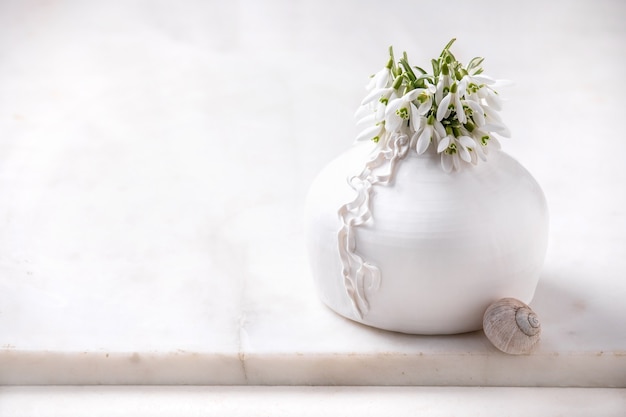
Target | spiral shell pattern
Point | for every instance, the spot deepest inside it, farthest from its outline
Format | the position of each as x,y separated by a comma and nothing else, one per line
512,326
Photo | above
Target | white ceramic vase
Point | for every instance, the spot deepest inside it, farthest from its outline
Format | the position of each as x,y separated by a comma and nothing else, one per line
444,245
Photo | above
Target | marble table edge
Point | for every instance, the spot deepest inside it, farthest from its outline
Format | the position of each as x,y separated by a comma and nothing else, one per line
543,369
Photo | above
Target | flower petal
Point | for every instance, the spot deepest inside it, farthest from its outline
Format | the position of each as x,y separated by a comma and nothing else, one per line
382,78
424,139
443,145
441,131
494,143
393,105
493,100
363,111
425,106
460,112
462,86
370,133
474,157
380,112
491,115
415,118
483,79
455,161
478,114
368,120
464,154
467,142
498,128
442,110
376,95
446,162
392,120
480,152
501,83
412,95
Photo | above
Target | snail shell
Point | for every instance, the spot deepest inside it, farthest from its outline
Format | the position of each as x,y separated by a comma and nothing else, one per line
511,326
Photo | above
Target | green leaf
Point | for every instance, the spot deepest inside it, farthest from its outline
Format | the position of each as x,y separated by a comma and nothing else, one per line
475,62
397,83
391,64
436,67
425,77
448,46
407,68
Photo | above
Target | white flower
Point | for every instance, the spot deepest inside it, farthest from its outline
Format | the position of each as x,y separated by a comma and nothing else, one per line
444,83
484,87
451,100
491,97
402,109
431,131
426,97
484,142
371,114
475,110
493,123
371,133
377,101
453,150
471,84
382,79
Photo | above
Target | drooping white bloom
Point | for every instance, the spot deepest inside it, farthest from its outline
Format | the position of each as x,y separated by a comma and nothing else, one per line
452,100
371,113
484,142
491,97
444,83
475,110
382,79
402,110
427,98
371,133
453,150
431,131
493,123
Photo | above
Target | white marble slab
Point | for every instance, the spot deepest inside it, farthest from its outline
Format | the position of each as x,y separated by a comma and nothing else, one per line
310,401
154,161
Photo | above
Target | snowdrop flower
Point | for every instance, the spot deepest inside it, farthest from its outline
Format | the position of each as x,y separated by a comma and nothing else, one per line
372,133
491,97
484,142
493,123
452,100
444,83
471,83
377,100
402,109
426,98
431,131
475,110
452,148
382,79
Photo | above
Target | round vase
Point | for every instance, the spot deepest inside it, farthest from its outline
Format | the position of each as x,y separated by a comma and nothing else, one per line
446,245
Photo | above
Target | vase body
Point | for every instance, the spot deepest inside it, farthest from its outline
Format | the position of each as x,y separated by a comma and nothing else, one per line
446,244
